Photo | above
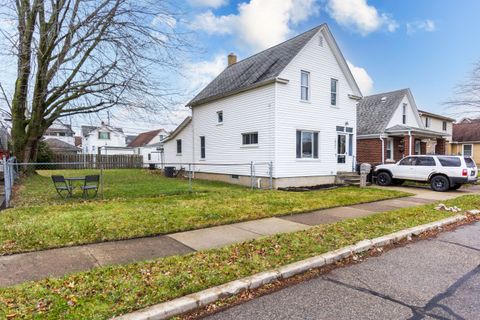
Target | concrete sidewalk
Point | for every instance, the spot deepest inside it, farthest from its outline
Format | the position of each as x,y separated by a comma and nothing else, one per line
57,262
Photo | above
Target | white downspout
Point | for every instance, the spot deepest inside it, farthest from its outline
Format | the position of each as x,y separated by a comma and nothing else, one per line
409,142
383,149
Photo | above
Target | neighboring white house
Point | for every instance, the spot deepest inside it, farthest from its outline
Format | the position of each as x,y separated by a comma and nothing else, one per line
109,139
147,143
293,105
60,131
438,123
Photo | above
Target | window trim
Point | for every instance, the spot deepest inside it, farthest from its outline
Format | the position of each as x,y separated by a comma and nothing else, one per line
302,72
249,134
404,113
181,146
334,92
471,149
315,146
444,125
419,147
108,135
390,143
428,122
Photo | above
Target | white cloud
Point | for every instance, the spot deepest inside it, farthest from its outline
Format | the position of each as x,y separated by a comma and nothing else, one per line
425,25
360,16
198,74
259,23
208,3
364,81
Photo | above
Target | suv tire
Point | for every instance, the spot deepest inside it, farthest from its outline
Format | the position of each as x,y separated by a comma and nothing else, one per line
384,179
456,186
440,183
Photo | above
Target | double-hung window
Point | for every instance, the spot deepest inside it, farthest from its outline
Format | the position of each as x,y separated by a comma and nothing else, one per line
103,135
444,125
333,91
404,114
307,144
202,147
305,86
427,122
467,150
390,149
179,146
250,138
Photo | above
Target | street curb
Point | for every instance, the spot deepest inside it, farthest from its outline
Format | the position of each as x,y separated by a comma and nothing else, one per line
202,298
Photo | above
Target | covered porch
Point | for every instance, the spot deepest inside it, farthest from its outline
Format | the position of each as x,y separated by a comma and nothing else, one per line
402,141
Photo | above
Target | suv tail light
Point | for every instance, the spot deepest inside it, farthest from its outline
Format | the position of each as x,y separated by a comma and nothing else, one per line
465,172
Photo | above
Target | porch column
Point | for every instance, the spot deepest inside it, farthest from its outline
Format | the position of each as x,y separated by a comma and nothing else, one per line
441,146
409,145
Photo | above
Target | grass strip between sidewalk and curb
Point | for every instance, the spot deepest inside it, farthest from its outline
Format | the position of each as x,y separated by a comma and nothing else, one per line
109,291
26,229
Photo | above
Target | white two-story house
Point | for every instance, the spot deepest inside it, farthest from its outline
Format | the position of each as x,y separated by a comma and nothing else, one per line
104,139
292,105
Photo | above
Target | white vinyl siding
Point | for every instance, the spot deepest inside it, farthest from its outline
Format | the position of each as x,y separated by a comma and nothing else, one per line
291,115
170,149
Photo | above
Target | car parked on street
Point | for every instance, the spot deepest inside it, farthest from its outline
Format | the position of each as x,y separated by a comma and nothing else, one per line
442,172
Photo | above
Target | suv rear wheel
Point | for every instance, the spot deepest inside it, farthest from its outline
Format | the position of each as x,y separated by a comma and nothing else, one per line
440,183
384,179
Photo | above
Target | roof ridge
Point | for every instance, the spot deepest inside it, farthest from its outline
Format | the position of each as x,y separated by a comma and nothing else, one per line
278,44
386,93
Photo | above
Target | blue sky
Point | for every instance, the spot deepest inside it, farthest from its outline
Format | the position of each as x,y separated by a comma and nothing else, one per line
428,45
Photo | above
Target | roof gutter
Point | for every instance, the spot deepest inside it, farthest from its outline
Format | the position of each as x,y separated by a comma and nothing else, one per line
354,97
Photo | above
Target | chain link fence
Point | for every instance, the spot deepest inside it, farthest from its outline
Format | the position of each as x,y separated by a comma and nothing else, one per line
119,179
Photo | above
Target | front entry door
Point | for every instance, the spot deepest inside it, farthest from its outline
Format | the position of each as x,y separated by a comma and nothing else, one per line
341,149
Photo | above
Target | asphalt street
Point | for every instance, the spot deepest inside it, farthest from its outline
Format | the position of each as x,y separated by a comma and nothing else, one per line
429,279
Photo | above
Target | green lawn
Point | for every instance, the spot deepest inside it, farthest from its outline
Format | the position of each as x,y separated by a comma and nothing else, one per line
157,206
108,291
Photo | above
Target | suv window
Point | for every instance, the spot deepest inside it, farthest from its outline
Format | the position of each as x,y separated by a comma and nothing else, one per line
469,162
450,161
410,161
425,161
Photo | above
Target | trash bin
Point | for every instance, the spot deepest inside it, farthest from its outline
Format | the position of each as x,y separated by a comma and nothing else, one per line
151,166
365,169
169,172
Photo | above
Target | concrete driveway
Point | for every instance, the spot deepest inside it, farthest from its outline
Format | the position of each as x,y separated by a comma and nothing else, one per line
431,279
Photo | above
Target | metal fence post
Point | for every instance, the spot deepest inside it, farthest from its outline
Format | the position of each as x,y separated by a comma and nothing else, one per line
190,177
6,180
251,175
270,172
101,180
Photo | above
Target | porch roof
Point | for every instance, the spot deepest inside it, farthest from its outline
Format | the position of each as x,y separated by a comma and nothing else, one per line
425,133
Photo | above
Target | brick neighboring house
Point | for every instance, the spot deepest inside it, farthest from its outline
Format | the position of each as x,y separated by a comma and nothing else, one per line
466,139
390,128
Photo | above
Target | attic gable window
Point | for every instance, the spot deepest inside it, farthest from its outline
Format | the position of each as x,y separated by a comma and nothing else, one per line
220,116
444,125
404,113
103,135
305,85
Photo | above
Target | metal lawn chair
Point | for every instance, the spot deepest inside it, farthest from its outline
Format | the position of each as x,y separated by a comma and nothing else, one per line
64,190
91,184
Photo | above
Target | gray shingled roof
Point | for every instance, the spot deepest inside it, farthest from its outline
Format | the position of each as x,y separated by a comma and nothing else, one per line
87,129
260,68
374,112
178,129
57,145
400,128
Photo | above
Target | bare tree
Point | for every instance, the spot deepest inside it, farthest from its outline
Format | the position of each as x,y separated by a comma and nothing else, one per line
467,94
83,56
